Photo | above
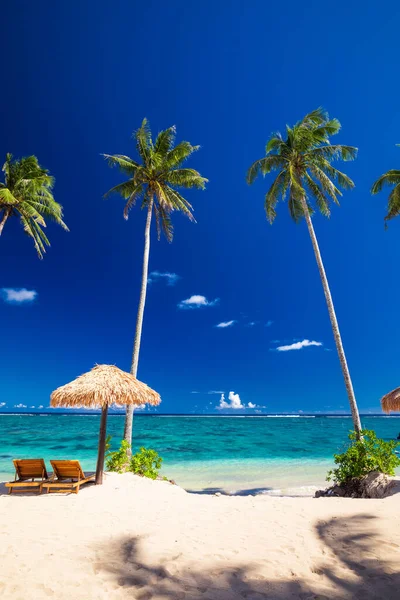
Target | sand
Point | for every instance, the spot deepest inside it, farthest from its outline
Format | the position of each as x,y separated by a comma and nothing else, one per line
142,539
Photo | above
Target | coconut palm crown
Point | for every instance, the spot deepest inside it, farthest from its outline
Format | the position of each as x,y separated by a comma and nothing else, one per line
27,193
303,161
390,178
155,179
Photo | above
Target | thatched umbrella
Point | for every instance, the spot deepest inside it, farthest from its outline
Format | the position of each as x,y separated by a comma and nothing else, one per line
99,388
391,401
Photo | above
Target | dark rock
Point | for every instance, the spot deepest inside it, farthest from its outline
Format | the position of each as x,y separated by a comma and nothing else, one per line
373,485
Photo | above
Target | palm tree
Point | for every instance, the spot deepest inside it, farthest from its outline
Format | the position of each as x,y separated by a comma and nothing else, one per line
27,193
305,174
392,178
154,181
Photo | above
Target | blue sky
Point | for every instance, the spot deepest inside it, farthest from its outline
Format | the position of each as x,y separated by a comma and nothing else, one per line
80,81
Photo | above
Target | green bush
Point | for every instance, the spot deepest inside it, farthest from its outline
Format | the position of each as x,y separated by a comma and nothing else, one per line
363,456
118,461
146,462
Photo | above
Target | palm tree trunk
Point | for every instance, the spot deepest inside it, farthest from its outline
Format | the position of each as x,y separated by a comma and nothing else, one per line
139,320
335,325
7,213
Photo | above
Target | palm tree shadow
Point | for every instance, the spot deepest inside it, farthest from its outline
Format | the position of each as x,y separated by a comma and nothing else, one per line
356,572
359,546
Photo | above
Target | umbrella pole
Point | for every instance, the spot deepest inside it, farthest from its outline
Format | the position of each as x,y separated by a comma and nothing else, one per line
102,445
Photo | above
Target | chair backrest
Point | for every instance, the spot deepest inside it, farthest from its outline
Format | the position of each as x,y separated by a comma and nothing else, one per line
30,468
67,469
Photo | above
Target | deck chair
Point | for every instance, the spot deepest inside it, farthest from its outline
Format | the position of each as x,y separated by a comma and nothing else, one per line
29,473
67,477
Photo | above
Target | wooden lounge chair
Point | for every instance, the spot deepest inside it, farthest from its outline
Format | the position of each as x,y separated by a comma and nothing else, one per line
29,473
67,477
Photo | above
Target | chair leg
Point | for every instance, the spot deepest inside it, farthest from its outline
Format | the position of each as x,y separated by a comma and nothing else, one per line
10,490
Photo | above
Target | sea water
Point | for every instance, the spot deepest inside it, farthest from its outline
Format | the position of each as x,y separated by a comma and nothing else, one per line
277,456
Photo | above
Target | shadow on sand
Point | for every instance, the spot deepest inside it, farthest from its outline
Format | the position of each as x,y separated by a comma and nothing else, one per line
349,567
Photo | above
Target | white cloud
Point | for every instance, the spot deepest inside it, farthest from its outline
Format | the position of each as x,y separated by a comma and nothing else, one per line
269,323
2,404
298,345
251,405
41,406
233,402
197,301
251,324
20,406
18,296
195,392
33,407
170,278
215,392
225,324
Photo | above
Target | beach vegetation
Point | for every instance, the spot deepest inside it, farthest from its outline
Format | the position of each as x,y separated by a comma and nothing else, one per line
154,182
27,193
118,461
391,179
303,160
146,462
364,456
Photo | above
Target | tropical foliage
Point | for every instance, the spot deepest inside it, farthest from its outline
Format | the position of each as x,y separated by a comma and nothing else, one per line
307,178
27,193
391,179
363,456
155,180
303,161
146,462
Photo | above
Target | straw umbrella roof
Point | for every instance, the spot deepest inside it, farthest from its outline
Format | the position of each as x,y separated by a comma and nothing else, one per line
104,385
391,401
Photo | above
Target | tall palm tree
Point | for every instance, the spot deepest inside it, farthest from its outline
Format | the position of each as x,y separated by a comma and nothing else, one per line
27,193
305,174
154,181
390,178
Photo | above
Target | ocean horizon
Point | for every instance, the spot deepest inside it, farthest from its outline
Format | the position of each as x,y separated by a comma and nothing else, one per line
233,454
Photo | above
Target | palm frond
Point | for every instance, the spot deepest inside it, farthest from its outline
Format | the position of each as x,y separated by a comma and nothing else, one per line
326,184
342,179
7,198
277,189
144,143
333,152
165,141
124,163
187,178
391,177
164,223
177,202
136,194
393,207
179,154
321,200
265,165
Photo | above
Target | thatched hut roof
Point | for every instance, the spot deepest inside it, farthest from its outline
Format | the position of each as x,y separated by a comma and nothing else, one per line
391,401
104,384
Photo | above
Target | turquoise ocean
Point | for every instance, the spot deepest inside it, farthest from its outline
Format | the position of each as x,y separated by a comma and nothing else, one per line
237,455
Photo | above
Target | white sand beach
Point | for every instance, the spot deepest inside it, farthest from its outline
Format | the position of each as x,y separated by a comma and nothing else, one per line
143,539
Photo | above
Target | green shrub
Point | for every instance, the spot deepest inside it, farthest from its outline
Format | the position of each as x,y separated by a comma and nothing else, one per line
363,456
118,461
146,462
